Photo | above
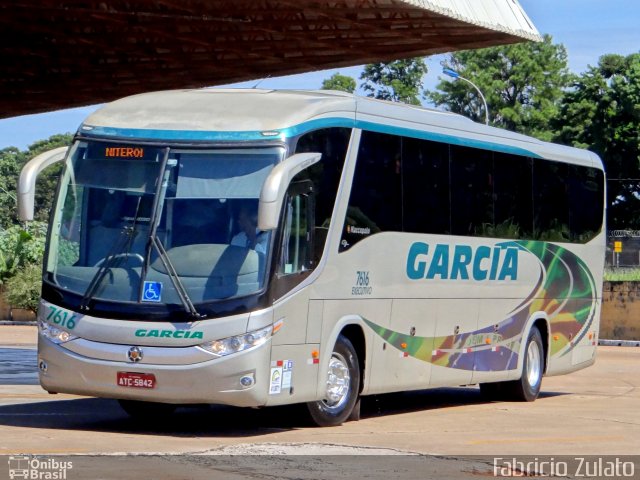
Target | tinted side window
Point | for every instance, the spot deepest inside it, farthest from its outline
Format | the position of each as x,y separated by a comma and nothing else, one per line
420,186
295,256
471,191
550,201
375,204
425,186
586,199
513,201
325,175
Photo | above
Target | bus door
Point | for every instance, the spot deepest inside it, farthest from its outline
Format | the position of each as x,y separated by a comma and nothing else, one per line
294,260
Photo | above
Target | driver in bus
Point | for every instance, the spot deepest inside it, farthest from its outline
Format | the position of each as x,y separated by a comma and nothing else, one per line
249,236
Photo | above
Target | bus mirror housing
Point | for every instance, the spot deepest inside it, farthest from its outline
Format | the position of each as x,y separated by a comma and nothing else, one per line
28,176
275,187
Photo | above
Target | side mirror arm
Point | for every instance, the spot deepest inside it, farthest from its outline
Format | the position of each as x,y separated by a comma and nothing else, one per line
28,176
275,187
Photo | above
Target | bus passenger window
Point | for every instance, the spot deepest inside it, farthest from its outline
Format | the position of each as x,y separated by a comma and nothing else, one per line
513,200
425,186
551,201
472,191
325,175
586,198
375,204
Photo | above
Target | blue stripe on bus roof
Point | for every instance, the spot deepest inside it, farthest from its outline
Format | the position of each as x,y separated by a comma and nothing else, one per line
444,138
200,135
217,136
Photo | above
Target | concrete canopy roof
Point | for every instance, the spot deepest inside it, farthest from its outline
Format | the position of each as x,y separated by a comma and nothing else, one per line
65,53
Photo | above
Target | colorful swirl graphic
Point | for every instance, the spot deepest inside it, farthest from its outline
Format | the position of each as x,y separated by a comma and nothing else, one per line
565,291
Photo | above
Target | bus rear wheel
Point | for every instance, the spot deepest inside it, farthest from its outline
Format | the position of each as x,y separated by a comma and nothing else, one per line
146,410
527,388
342,386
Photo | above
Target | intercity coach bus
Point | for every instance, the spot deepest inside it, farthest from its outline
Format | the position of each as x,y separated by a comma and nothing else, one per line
257,248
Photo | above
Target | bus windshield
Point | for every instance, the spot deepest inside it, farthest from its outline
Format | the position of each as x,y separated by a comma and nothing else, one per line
200,206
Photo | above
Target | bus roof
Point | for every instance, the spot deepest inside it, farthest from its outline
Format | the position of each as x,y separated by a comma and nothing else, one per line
257,114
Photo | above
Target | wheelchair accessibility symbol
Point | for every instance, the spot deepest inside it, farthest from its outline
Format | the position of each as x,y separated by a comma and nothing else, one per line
152,292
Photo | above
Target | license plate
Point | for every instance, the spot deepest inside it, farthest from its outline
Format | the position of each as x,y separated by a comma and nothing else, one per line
136,380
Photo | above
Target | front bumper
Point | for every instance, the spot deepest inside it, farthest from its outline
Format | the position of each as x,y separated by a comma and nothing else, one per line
212,381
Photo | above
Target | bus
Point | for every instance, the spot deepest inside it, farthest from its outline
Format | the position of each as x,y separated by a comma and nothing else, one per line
257,248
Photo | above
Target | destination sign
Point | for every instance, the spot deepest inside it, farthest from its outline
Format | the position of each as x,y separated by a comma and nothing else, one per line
112,151
124,152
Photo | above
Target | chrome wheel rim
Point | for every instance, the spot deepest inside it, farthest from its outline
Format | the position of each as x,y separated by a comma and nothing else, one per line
533,364
338,382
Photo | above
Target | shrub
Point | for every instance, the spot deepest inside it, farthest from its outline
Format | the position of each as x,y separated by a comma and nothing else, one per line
23,289
19,248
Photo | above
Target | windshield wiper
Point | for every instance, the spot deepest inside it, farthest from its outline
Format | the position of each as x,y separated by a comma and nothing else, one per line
109,262
153,241
127,235
175,278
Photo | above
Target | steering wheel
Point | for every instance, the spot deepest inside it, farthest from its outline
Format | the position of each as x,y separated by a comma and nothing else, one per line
137,256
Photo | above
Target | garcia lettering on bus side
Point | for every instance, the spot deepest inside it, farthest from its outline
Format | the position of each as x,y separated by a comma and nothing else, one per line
462,262
168,333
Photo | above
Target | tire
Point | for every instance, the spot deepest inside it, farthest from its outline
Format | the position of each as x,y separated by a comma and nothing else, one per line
146,410
343,384
527,388
492,391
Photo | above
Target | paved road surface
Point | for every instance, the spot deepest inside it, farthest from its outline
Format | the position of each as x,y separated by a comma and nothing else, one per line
594,411
18,366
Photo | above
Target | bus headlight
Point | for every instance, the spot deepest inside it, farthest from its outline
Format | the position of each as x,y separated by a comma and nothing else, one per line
55,334
239,343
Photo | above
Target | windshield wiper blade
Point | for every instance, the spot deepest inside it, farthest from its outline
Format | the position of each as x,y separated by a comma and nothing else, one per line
127,234
153,241
175,278
109,262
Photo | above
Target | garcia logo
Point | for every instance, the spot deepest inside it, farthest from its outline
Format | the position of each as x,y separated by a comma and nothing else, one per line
462,262
168,333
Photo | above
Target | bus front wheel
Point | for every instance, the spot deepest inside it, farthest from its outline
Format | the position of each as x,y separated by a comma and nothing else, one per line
342,386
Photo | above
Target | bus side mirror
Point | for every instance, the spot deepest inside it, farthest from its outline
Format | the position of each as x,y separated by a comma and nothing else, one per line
28,176
275,187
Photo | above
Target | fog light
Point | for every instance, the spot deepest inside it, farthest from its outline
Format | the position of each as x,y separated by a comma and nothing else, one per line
247,381
42,365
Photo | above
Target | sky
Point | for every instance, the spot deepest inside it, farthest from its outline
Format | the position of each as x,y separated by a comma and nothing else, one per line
587,28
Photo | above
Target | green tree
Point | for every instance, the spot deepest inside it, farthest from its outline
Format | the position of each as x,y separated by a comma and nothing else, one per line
523,85
48,179
602,112
12,160
398,81
19,248
340,82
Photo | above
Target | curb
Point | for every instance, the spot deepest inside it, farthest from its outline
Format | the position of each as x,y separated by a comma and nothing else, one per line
15,322
619,343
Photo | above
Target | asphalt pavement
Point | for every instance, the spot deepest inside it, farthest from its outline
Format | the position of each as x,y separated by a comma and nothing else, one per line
18,366
453,431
